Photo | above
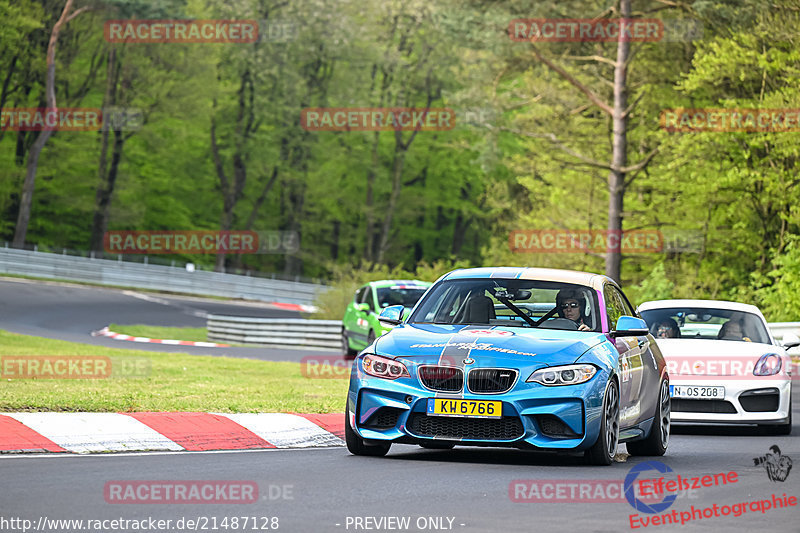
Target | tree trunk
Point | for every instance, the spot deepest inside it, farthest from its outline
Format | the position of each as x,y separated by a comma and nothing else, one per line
369,246
103,194
251,220
232,191
397,175
4,90
26,199
103,205
619,153
293,263
336,229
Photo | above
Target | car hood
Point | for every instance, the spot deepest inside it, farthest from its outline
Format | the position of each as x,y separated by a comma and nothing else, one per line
485,344
712,357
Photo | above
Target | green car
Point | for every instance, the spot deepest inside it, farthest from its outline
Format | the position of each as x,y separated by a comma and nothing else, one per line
360,326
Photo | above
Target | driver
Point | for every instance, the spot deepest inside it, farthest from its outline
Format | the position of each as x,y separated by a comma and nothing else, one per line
667,329
732,331
570,304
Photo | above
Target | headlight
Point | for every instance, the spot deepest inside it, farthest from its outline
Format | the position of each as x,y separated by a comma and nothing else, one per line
382,367
768,364
563,375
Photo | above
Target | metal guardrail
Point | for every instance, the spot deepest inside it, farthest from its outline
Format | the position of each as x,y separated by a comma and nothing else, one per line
154,277
301,333
284,332
779,329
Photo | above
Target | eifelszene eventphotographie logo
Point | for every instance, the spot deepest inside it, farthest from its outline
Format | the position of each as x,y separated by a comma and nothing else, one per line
777,466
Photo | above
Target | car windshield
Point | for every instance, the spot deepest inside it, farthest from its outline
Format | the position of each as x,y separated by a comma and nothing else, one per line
508,302
400,295
706,323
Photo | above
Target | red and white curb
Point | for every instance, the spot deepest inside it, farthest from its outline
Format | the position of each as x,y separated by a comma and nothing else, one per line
125,432
301,308
105,332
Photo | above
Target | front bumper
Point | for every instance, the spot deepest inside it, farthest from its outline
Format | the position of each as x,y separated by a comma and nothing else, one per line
534,415
749,401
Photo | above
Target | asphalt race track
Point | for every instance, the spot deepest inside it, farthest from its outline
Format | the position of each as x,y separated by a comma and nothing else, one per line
313,490
327,489
71,312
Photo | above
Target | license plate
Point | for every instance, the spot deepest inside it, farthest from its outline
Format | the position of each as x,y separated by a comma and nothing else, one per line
465,408
697,392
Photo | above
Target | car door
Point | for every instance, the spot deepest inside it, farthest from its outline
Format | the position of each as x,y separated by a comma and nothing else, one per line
355,320
630,358
650,376
362,324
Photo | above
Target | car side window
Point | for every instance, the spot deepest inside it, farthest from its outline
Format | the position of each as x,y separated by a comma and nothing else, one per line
369,299
361,295
614,306
626,305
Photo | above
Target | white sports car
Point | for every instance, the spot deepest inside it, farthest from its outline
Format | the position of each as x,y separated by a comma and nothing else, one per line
724,365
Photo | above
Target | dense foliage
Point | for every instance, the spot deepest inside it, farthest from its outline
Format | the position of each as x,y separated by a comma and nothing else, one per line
221,146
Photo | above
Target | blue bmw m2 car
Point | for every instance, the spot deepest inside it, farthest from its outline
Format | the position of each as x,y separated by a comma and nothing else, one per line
523,357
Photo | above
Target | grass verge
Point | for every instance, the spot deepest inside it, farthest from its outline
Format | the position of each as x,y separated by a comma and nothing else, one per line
166,382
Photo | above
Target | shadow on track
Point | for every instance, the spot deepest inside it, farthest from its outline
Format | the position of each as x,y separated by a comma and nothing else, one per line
497,456
727,431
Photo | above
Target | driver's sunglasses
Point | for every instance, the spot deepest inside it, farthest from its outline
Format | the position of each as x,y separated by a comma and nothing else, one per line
567,305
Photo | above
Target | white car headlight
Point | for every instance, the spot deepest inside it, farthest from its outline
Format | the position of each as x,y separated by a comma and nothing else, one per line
768,364
383,367
563,375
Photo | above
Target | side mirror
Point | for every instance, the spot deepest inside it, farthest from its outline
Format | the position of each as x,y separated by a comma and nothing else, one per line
362,307
790,340
630,326
391,316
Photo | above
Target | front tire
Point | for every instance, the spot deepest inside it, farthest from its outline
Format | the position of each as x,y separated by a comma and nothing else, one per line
602,452
356,445
658,439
